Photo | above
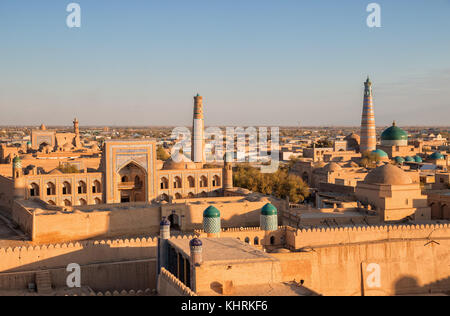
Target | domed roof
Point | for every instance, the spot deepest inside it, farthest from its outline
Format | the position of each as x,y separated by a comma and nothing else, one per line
353,136
195,242
399,159
211,212
269,209
17,159
165,222
437,156
332,166
182,163
417,159
319,164
380,153
394,133
409,159
388,174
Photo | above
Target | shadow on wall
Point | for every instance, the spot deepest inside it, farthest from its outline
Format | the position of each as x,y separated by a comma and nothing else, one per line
103,266
409,285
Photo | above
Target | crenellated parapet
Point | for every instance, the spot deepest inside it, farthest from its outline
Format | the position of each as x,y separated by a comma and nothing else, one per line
171,285
59,255
326,236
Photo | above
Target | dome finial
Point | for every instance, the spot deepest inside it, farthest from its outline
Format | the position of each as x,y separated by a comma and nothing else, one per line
394,123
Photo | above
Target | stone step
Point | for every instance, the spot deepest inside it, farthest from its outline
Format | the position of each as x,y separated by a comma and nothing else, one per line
44,282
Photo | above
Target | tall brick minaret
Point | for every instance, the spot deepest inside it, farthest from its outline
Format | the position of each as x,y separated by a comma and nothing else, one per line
198,139
368,132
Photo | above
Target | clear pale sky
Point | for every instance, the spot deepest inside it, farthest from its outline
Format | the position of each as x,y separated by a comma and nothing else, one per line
256,62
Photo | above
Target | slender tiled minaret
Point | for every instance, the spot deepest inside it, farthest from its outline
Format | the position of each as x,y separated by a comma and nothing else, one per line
368,133
198,140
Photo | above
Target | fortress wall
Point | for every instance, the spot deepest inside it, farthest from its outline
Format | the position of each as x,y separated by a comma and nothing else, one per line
253,234
6,170
169,285
79,225
6,191
23,218
86,252
405,267
211,276
127,275
233,214
345,235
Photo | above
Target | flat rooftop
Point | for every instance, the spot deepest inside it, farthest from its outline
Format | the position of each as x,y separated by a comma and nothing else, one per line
223,250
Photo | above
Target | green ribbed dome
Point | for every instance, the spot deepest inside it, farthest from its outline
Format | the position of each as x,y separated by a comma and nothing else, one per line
380,153
418,159
409,159
269,209
394,133
211,212
437,156
399,159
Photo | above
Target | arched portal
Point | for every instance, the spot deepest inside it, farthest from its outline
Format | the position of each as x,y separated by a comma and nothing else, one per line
132,184
174,220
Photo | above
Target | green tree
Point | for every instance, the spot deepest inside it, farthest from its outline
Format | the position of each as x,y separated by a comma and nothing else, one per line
162,154
68,168
280,184
369,160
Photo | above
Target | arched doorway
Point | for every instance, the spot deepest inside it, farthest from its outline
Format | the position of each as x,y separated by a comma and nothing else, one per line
131,184
34,189
305,177
174,220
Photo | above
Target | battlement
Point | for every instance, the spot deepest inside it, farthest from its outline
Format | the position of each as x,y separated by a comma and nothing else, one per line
314,237
84,244
168,284
146,292
374,228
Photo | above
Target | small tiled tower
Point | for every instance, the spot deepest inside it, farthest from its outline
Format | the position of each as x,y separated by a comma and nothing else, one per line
269,218
163,245
368,132
196,247
211,221
19,180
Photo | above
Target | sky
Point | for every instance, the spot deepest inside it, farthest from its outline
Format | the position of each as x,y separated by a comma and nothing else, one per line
255,62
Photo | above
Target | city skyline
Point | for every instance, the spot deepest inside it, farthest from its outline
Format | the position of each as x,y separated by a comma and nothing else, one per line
255,63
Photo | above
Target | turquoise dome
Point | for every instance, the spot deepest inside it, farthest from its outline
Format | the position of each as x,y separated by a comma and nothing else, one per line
268,210
437,156
211,212
394,133
409,159
417,159
380,153
399,159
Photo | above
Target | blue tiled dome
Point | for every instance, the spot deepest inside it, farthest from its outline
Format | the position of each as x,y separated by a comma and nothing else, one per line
211,212
380,153
195,242
164,222
437,156
269,209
